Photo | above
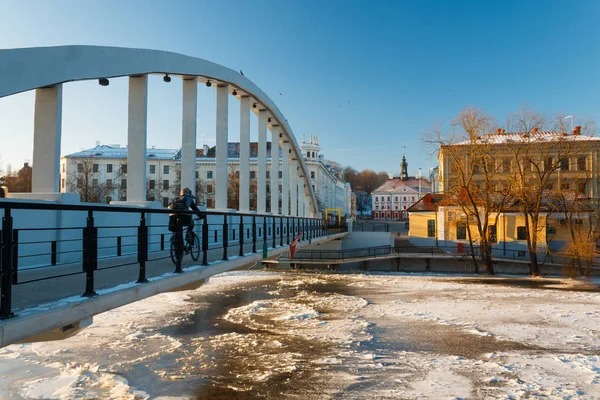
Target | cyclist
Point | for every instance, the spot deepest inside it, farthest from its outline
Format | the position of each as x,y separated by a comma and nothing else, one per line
184,202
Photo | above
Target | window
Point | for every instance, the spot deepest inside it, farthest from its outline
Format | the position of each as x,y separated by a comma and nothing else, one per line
564,186
209,203
404,198
94,167
492,234
209,174
123,197
152,184
79,183
166,184
521,233
412,198
268,174
313,153
280,174
109,168
581,163
581,187
197,174
506,165
396,198
312,174
431,228
79,168
548,164
281,190
550,230
461,231
237,174
123,168
109,184
123,183
152,169
312,186
252,174
108,199
63,167
95,182
564,164
62,183
209,188
165,202
166,169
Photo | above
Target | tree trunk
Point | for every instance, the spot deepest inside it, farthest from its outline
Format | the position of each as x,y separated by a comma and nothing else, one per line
475,263
534,268
486,257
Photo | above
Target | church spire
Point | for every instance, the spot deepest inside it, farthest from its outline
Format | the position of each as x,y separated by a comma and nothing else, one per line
404,167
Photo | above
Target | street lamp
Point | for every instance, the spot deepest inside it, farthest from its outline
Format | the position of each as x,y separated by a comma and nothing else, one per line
570,116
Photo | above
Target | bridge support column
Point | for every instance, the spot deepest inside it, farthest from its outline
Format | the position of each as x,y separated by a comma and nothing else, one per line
307,212
294,186
244,154
301,196
275,170
221,150
285,173
47,127
261,178
136,138
188,135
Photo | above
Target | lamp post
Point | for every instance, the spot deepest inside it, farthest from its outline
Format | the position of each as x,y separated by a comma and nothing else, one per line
571,117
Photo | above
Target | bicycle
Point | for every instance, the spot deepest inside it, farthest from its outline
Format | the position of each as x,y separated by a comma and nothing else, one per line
191,247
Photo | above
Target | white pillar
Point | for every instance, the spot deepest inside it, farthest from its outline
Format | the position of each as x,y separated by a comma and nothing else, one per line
285,172
136,138
244,154
306,206
301,196
294,187
261,186
221,151
188,134
47,126
275,170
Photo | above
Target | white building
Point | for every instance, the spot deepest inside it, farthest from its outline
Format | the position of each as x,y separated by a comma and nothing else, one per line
99,174
395,196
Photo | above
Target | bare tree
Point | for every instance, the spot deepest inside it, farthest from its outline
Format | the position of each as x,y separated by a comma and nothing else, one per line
473,183
86,180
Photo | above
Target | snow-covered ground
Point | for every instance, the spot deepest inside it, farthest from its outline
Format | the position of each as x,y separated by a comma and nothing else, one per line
319,336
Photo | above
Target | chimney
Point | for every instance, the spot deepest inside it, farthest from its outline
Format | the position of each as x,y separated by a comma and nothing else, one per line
427,198
498,131
577,131
534,130
25,165
503,131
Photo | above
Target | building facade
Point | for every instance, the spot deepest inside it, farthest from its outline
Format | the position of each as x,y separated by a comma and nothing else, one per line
391,200
99,175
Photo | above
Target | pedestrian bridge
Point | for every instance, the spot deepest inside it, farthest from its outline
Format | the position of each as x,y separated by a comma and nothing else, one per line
54,279
54,249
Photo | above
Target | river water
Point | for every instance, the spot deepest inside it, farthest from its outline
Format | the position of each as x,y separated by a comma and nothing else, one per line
262,336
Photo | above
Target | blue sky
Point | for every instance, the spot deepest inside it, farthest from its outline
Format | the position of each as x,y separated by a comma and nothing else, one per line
366,77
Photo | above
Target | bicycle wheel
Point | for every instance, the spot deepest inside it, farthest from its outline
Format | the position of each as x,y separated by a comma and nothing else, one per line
195,250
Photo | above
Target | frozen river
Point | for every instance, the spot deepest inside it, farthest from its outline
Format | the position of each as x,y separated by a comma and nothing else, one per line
253,335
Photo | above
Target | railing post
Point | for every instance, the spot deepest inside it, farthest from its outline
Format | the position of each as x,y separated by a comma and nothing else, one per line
119,251
142,248
53,250
15,257
303,228
5,272
264,231
162,242
179,243
281,231
89,256
241,236
274,232
225,237
205,241
253,234
288,230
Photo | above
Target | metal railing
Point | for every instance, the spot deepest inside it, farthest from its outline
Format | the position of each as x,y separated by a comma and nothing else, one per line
48,241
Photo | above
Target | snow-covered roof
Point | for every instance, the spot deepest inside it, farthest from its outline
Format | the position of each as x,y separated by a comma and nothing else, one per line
397,185
531,137
107,151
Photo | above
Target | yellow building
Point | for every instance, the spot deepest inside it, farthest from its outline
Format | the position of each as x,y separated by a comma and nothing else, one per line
435,221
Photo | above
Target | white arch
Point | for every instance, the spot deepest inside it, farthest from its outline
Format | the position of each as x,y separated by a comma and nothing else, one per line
31,68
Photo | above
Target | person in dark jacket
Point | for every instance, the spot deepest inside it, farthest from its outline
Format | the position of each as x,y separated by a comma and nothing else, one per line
185,202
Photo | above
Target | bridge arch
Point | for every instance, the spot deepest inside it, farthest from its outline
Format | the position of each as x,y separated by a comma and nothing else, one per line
46,69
